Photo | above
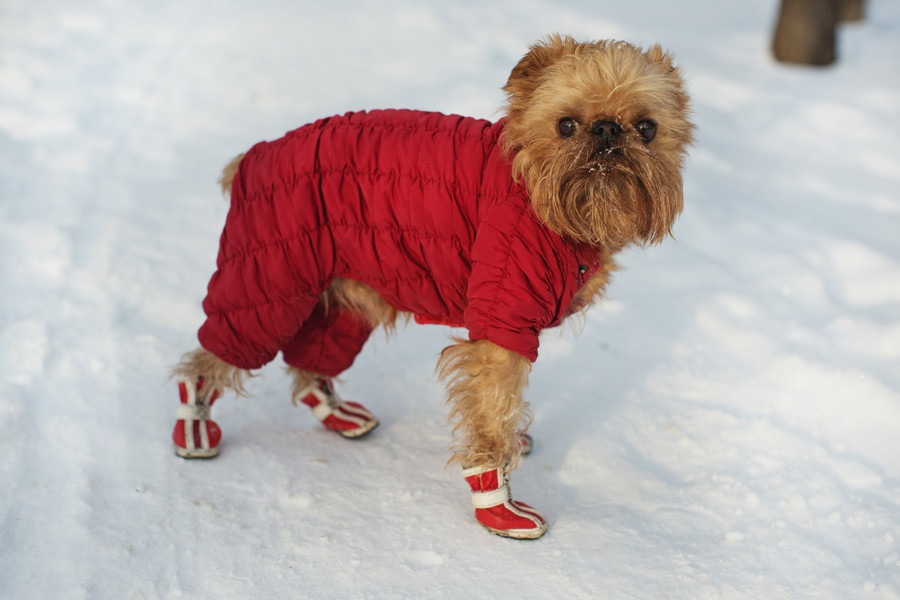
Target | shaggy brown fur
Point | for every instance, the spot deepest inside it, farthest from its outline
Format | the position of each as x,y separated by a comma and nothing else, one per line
630,194
609,196
218,374
486,385
229,173
593,289
364,301
301,382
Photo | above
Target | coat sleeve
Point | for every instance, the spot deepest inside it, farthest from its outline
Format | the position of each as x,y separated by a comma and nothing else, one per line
517,282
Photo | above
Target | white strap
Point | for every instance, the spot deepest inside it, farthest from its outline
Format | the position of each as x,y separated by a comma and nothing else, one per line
190,388
327,402
314,389
204,434
192,412
322,411
332,404
492,498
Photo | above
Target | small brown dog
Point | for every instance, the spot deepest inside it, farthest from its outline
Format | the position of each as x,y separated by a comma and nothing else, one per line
505,228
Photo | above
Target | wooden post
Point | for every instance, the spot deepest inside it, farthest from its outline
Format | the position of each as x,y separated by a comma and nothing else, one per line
805,32
852,10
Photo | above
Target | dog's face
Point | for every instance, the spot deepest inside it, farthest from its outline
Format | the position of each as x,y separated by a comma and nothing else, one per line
598,132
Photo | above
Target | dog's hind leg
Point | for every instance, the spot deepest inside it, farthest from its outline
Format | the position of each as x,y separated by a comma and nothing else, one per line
326,346
202,378
487,408
350,420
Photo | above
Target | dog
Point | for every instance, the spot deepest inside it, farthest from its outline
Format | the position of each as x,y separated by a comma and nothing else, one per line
351,222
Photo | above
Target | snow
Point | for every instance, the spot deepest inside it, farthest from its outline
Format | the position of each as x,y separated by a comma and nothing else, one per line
726,425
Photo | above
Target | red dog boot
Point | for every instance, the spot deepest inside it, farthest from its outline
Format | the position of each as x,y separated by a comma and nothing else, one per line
497,511
196,435
348,419
526,443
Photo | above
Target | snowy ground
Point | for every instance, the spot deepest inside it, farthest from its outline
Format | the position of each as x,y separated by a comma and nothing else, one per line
727,425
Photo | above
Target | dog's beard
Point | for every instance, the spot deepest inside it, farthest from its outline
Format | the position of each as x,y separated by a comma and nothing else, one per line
624,195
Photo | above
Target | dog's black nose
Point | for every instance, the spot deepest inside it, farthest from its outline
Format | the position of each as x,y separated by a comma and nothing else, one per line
607,132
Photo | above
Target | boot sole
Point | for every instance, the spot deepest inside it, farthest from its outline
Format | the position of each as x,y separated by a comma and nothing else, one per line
355,434
185,453
518,534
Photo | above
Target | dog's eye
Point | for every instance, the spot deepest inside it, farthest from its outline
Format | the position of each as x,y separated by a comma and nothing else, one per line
647,130
567,127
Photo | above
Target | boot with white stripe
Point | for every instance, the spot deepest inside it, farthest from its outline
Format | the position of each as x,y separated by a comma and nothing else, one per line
497,511
347,419
195,434
526,443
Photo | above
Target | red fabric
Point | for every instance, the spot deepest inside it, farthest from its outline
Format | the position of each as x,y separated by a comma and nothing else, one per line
180,434
350,419
486,481
419,206
327,342
508,517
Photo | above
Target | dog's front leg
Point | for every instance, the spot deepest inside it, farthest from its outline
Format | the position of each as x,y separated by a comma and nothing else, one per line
485,390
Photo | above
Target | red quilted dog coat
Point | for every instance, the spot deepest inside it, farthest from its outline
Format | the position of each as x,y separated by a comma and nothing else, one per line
419,206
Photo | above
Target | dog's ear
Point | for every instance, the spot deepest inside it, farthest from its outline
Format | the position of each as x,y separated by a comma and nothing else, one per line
656,54
525,76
